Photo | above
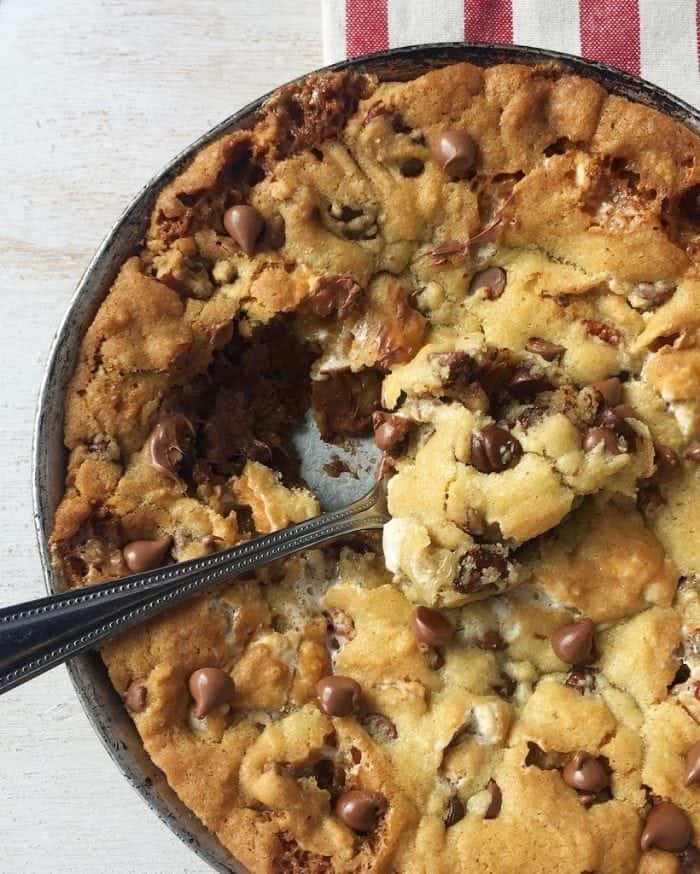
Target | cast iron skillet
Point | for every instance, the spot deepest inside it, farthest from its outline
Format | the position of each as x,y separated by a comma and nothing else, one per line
103,706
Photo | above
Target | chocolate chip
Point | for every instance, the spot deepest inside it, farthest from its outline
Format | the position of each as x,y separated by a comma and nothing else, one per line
537,757
455,151
494,450
220,335
389,429
379,727
459,381
667,827
689,204
524,382
505,687
689,860
360,810
337,695
531,415
573,643
610,390
386,466
682,676
275,233
692,765
454,812
340,625
211,543
585,773
412,167
545,349
662,341
615,419
168,443
581,680
144,555
334,295
480,569
655,293
244,224
181,356
603,332
344,403
494,807
492,280
649,498
433,657
692,452
474,398
136,695
210,688
431,627
377,110
325,775
491,640
460,367
625,411
594,436
665,458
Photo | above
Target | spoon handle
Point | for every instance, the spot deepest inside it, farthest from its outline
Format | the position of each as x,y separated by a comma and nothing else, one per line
40,634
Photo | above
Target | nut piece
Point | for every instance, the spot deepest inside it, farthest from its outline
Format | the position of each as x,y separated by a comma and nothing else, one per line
210,688
145,555
604,332
573,643
136,694
455,151
244,224
360,810
667,828
585,773
431,627
337,695
379,727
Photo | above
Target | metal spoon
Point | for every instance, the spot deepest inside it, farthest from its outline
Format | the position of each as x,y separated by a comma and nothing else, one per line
37,635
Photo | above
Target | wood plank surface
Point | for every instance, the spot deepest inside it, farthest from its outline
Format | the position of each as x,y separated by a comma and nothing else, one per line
95,96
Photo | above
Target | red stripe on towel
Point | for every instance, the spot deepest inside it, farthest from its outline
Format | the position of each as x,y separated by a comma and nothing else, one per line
488,20
366,27
610,32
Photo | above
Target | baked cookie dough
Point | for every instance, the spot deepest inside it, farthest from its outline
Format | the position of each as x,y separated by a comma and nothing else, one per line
498,271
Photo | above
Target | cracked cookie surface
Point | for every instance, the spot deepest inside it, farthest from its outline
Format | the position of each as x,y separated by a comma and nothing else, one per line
498,271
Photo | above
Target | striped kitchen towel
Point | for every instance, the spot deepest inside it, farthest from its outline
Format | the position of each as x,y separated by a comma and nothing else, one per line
656,39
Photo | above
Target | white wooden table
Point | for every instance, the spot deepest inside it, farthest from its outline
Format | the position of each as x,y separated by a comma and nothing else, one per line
95,96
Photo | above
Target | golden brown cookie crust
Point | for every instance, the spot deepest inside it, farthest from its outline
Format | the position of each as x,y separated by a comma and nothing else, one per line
477,314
